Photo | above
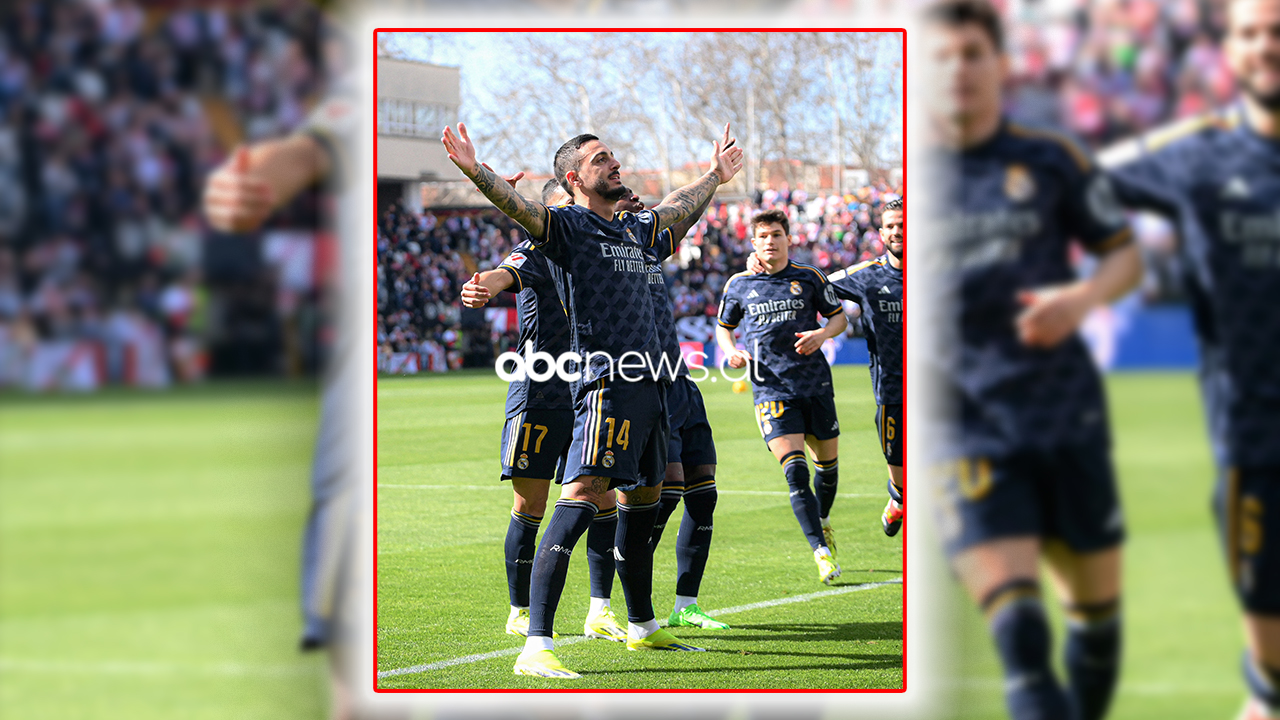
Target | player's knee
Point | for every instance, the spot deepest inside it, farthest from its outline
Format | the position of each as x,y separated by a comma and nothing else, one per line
1096,627
640,496
587,488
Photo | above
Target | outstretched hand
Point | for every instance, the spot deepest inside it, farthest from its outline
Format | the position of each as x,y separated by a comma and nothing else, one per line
475,295
461,151
727,160
235,198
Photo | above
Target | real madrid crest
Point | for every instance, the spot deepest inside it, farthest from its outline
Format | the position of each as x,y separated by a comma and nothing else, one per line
1019,185
631,237
795,287
608,458
523,462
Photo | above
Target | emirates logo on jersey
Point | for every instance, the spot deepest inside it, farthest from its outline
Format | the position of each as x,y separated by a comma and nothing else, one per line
1019,185
795,287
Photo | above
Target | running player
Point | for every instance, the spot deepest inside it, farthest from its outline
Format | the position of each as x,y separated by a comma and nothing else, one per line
1030,471
1218,178
792,389
876,285
537,434
620,428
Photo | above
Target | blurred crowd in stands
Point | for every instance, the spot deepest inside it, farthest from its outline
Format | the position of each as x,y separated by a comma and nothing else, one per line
113,112
424,258
1105,70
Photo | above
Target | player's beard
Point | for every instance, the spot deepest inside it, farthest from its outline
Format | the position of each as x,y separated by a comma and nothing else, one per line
1268,100
896,253
611,194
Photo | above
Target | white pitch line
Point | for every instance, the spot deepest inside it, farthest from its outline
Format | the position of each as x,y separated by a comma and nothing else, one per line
781,493
579,638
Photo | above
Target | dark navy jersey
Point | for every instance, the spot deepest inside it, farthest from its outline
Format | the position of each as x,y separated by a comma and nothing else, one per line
877,287
544,323
662,312
603,282
1220,182
1010,208
772,309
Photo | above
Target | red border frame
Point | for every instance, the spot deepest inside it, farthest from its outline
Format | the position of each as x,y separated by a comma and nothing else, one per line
375,687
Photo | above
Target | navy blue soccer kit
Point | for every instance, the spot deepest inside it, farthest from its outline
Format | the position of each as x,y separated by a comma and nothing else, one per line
1025,429
792,392
876,285
1219,181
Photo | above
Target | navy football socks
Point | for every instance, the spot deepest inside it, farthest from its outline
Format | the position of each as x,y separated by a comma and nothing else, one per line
519,548
600,537
693,544
633,558
803,502
826,478
568,522
1093,656
1021,634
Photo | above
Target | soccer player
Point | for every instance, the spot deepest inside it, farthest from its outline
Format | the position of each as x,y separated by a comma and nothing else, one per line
1218,178
1025,431
792,390
691,452
537,434
876,285
620,428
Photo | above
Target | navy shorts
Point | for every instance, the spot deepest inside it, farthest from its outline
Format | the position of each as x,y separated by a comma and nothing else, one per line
535,442
1066,493
1247,505
620,431
892,432
814,416
691,442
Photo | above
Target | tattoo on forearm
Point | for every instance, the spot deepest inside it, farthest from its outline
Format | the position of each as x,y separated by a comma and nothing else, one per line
514,205
681,203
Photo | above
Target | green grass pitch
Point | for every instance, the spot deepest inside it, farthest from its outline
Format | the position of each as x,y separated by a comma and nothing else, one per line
1182,630
442,593
149,551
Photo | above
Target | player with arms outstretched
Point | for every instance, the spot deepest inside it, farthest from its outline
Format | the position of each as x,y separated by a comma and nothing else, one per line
537,434
1218,178
620,429
1024,432
792,390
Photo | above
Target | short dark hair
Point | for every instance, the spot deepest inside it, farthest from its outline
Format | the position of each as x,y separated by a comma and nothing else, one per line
568,158
775,217
954,13
894,204
549,188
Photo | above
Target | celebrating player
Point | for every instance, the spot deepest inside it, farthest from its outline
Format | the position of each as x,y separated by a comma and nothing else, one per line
792,390
876,285
537,434
1218,178
620,428
1030,473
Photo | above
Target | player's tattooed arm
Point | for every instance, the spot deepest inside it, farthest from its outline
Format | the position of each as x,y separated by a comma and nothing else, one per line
531,215
682,228
683,203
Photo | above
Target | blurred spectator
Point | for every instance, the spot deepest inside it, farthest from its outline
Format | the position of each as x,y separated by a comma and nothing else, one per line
111,117
1108,69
